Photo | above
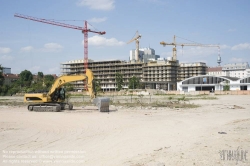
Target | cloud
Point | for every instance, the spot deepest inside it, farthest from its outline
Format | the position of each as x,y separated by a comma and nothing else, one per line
166,54
197,51
52,47
97,4
236,60
97,20
27,49
4,50
224,46
35,69
154,2
242,46
231,30
54,70
102,41
6,57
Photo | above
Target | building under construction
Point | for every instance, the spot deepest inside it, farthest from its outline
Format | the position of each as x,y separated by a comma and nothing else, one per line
187,70
156,73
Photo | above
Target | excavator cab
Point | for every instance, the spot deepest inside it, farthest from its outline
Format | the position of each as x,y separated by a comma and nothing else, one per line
58,95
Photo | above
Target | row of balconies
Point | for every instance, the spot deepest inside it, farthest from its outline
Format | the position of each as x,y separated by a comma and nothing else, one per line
115,68
173,69
106,67
158,80
163,76
154,73
181,71
157,71
194,68
114,73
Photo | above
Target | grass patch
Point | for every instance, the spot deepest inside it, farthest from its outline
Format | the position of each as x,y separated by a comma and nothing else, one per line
175,105
203,98
3,99
14,103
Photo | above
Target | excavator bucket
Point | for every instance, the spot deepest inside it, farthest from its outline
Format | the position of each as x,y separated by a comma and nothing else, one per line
102,103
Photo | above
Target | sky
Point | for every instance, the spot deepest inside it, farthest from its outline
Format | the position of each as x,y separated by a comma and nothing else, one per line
40,47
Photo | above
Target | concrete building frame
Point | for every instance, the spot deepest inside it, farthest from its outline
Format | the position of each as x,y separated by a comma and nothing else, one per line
162,75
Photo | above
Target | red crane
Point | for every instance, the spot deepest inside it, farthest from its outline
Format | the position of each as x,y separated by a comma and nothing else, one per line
84,30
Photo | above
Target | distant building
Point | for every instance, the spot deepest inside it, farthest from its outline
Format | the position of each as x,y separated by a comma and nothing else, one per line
6,70
145,54
10,78
215,71
239,70
236,69
188,70
247,72
213,83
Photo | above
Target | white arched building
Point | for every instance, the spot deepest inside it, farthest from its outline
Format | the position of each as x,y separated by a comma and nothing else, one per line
213,83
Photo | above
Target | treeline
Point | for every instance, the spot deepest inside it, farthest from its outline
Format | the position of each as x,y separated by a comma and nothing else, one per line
26,83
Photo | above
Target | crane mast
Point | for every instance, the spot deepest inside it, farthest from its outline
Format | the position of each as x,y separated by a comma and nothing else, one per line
84,30
174,44
136,39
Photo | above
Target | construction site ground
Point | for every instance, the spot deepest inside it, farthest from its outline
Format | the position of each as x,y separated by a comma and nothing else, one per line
137,131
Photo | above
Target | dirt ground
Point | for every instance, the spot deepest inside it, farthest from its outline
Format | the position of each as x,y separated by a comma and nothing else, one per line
216,133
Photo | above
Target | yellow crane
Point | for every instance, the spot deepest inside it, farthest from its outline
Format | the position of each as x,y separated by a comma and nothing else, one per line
136,39
174,44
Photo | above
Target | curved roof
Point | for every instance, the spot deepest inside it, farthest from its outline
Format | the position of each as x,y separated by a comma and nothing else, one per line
230,78
224,77
243,78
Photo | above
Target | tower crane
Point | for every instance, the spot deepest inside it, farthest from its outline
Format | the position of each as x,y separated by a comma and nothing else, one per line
84,30
136,39
174,44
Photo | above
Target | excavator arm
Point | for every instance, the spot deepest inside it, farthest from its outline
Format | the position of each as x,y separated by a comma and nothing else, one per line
60,81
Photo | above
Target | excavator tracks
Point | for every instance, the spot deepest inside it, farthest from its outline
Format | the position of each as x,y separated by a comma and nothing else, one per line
50,107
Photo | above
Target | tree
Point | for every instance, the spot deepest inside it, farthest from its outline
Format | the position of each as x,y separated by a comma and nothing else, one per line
134,83
1,76
48,80
40,75
26,77
68,87
142,85
97,86
4,89
119,81
226,87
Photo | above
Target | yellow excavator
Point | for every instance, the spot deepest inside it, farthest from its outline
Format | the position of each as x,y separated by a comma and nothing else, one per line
54,100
